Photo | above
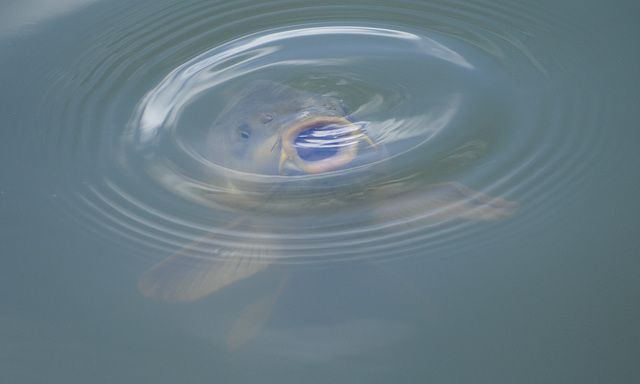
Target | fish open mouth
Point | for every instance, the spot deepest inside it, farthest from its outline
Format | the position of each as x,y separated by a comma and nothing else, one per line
320,144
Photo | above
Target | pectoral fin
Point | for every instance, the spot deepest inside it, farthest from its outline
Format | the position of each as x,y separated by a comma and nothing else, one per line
444,201
201,269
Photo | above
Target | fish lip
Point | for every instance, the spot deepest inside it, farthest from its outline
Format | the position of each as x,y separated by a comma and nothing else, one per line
344,153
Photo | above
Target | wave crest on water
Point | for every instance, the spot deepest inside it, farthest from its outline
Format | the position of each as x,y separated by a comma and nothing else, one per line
414,116
449,94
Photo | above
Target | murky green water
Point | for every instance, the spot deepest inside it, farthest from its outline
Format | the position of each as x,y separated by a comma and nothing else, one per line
108,167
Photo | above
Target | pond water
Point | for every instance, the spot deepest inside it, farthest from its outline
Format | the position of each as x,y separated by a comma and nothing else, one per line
473,215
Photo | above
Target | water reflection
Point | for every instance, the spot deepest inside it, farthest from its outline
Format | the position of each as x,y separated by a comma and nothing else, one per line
17,16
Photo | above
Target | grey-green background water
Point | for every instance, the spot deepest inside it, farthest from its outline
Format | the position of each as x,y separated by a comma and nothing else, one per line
549,294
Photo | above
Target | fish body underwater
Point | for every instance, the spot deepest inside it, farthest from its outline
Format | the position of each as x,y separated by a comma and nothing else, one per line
290,154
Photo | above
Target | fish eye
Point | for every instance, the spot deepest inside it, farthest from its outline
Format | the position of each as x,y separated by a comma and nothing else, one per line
244,131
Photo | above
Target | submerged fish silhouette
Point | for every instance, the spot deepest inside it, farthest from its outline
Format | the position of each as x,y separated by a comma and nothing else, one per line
273,129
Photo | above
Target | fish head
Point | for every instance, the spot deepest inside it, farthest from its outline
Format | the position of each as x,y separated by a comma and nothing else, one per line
275,129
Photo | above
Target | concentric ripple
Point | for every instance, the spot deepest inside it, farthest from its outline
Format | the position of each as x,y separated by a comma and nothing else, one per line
445,92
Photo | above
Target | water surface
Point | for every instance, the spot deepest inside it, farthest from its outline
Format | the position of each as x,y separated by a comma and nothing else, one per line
105,109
